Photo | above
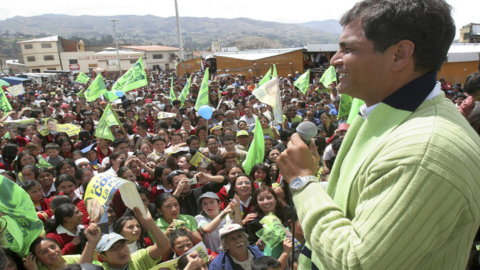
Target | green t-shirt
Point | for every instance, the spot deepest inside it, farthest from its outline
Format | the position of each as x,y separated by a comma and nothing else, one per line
69,259
139,260
190,223
297,118
268,131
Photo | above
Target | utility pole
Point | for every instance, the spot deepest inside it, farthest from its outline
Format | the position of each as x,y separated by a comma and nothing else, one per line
116,42
179,32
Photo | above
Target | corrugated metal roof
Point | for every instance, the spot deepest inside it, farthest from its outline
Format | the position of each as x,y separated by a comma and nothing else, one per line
151,48
252,54
45,39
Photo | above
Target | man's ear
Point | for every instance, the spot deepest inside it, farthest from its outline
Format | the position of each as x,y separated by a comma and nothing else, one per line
403,54
102,257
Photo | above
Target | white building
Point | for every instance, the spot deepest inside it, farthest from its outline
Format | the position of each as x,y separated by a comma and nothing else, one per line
157,57
42,53
107,60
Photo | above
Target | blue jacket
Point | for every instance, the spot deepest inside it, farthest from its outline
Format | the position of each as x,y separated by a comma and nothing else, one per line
224,261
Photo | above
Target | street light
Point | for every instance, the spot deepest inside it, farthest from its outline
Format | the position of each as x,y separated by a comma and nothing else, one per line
116,42
179,32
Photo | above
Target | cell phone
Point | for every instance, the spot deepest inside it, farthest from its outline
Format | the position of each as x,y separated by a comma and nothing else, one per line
193,181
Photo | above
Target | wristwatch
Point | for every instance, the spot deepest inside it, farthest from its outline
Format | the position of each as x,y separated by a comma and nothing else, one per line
300,182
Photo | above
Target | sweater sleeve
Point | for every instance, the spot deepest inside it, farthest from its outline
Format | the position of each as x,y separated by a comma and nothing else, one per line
401,214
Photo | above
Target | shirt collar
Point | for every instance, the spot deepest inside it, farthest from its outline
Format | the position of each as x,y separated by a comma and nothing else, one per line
246,203
52,190
61,229
402,98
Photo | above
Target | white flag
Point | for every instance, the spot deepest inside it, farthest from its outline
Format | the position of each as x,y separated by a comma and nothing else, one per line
16,90
269,93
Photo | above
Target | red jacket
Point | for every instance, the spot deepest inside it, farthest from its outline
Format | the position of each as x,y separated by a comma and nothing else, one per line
65,242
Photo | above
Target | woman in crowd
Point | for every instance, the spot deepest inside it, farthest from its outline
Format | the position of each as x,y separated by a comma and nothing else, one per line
243,187
65,228
117,160
160,185
66,184
24,158
46,253
261,173
130,228
327,125
66,147
45,178
211,219
66,166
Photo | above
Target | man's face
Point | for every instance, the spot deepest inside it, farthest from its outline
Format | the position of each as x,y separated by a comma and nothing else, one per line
123,147
236,243
229,146
248,112
212,145
292,112
242,140
118,256
359,66
220,117
176,181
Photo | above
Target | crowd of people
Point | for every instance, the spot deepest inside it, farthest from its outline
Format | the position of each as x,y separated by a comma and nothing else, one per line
222,208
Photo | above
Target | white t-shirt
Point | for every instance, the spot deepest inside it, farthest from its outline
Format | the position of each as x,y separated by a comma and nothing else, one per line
329,154
212,240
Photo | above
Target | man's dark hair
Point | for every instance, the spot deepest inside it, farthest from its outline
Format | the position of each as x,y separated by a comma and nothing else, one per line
211,137
301,104
336,144
144,125
285,134
228,138
192,138
426,23
472,84
119,141
175,102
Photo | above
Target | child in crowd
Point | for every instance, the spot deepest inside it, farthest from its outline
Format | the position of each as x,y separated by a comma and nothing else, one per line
52,150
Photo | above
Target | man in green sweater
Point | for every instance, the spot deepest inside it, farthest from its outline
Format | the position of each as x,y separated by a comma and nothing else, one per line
404,190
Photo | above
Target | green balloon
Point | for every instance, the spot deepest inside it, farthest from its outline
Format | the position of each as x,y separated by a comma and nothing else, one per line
110,96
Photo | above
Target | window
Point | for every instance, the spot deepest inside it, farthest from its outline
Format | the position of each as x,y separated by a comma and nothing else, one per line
73,61
36,70
172,56
48,58
92,65
46,45
133,61
51,68
28,46
158,56
30,58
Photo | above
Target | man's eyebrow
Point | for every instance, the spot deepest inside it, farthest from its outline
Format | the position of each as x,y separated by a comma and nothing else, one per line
346,44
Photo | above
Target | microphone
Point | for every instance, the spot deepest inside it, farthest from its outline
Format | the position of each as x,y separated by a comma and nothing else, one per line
307,130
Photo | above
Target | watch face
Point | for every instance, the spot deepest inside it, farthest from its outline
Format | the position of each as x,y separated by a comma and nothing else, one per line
296,183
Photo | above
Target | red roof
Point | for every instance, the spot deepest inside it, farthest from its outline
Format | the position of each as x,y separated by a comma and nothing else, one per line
151,48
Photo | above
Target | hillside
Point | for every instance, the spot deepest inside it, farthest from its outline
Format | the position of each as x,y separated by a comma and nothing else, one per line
197,33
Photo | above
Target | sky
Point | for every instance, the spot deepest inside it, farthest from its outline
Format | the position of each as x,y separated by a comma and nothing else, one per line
464,11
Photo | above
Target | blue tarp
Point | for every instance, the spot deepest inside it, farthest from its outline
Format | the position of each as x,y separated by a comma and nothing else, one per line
14,80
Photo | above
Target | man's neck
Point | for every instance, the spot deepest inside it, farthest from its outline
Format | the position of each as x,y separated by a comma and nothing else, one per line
240,257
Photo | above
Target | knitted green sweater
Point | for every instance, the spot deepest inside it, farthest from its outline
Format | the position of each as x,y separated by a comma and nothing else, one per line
406,193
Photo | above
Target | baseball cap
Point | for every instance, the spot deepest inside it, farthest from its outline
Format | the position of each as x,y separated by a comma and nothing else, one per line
103,102
294,100
64,105
343,126
242,133
81,160
229,228
208,194
215,128
108,240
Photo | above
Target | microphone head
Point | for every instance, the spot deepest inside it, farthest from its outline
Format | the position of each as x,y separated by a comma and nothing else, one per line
307,130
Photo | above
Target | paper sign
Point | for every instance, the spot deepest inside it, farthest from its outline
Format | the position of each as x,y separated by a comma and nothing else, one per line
51,126
272,232
103,186
173,264
199,158
16,90
173,150
163,115
18,123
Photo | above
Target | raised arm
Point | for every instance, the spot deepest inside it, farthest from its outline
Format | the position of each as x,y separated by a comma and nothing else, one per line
161,241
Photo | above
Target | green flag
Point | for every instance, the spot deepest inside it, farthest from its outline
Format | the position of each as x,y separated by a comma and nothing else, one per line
355,109
109,118
5,105
95,89
135,77
256,152
82,78
81,94
274,74
186,90
266,78
172,92
302,82
203,93
20,221
345,105
328,76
